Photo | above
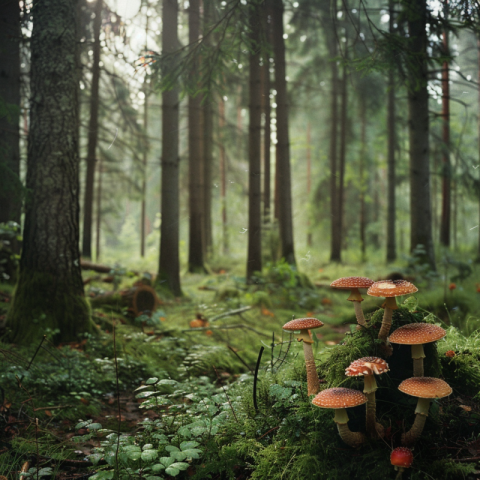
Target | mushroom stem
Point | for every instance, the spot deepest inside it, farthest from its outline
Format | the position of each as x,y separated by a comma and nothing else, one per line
418,355
313,381
386,324
414,433
399,474
374,429
353,439
359,314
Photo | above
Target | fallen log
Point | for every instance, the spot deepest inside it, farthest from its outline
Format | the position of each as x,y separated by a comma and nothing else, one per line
86,265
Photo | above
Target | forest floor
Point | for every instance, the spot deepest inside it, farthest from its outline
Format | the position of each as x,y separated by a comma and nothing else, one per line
61,408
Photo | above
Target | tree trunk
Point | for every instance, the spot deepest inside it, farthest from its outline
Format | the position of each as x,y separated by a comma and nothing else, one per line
254,255
335,241
195,157
446,168
420,203
169,265
92,136
99,210
49,291
146,148
268,117
223,175
285,221
10,185
208,162
363,153
478,120
342,160
391,210
309,180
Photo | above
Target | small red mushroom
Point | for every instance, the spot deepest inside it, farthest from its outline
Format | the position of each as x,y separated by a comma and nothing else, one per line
452,286
401,458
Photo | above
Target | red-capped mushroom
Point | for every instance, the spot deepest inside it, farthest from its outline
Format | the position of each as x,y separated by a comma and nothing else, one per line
416,334
401,458
389,289
368,367
426,389
304,325
353,284
340,399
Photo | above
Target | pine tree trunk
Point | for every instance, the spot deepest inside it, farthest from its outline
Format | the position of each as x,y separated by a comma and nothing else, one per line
195,157
446,168
391,209
363,153
268,117
309,180
478,120
92,137
169,264
10,185
49,291
283,146
99,210
254,255
342,161
420,202
145,165
223,175
335,242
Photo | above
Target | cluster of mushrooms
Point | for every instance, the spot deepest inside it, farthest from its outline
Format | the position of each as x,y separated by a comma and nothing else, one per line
339,399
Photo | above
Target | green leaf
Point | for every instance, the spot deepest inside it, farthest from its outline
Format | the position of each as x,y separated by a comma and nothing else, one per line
192,453
172,448
167,382
158,467
82,424
95,426
188,445
167,461
149,455
172,471
148,446
151,381
134,455
411,303
94,458
103,475
144,394
179,456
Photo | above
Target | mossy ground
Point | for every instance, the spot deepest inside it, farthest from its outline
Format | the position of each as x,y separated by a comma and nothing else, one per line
288,437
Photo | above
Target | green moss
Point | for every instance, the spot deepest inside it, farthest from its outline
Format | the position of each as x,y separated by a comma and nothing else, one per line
41,305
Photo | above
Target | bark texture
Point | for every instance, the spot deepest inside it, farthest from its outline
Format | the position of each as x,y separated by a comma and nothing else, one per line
10,186
92,136
418,122
49,292
195,158
169,265
283,143
254,254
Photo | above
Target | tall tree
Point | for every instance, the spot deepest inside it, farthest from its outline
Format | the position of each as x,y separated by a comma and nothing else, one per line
49,291
418,122
363,186
223,174
446,167
285,221
169,263
391,210
195,155
254,255
92,136
10,186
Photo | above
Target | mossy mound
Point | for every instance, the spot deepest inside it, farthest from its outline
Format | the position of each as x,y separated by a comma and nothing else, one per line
289,438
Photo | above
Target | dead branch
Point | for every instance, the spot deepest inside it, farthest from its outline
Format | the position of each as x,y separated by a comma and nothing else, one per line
238,311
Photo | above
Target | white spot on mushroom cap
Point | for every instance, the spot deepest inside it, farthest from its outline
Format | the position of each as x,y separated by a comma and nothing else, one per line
367,366
352,282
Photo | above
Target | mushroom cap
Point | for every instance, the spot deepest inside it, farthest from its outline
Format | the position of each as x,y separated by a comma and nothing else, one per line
425,387
339,398
367,366
401,457
391,288
302,324
417,333
352,282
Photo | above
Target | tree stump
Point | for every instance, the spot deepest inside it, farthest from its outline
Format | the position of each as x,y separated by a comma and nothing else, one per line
140,299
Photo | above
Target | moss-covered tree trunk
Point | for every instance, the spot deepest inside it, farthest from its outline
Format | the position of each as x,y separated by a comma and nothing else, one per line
49,291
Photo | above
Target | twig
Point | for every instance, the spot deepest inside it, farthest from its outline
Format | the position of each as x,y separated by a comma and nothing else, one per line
52,408
471,459
255,377
266,433
226,327
240,358
226,394
230,313
117,392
